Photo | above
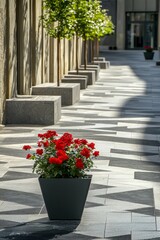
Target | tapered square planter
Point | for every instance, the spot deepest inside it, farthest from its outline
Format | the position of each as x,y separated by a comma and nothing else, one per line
65,197
148,55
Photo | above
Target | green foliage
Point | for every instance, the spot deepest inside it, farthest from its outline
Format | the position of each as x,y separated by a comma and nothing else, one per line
64,18
58,18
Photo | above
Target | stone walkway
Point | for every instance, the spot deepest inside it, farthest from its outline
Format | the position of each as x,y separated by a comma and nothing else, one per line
121,114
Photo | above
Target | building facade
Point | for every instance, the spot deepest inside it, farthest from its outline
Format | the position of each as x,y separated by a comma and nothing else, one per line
137,23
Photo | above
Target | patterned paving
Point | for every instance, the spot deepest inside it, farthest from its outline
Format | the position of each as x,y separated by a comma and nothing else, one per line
121,114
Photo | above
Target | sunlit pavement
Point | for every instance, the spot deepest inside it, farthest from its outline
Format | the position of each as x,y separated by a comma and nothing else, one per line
121,114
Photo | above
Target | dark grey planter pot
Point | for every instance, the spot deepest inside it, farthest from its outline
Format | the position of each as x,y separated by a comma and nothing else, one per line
65,197
148,55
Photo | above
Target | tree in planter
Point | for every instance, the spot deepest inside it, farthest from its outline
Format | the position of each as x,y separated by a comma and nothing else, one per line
102,24
58,19
82,23
91,22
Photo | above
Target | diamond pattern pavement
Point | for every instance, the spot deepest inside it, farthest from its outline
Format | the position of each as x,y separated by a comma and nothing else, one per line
121,114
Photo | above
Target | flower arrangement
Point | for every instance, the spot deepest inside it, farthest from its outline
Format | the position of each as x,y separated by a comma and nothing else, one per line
148,48
61,157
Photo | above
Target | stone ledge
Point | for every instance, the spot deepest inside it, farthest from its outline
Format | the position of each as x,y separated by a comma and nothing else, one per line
89,73
92,67
41,110
99,59
102,64
81,81
69,92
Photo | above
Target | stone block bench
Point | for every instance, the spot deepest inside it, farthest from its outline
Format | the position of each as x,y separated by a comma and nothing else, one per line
39,110
69,92
92,67
82,80
102,64
91,75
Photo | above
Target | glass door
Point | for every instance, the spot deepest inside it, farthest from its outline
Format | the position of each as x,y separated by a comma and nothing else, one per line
141,30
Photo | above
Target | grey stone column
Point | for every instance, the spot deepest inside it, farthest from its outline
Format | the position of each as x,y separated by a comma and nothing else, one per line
120,28
2,54
158,23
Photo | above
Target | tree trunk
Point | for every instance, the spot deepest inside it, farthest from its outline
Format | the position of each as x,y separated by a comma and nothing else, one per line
93,53
58,60
77,51
85,54
97,48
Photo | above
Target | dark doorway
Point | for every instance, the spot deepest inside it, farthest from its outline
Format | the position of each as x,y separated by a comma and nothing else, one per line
141,30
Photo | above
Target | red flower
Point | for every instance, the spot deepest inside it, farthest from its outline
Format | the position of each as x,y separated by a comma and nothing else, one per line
62,155
39,151
84,141
59,144
48,134
96,153
79,163
40,135
46,144
26,147
54,160
39,143
28,156
85,152
67,139
91,145
77,141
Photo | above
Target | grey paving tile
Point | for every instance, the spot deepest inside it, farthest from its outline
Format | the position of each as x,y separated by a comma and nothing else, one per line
121,114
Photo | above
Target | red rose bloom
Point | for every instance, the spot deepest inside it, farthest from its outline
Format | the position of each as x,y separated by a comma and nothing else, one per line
40,135
85,152
39,143
96,153
59,144
39,151
84,141
26,147
54,160
79,163
28,156
77,141
67,139
91,145
62,155
46,144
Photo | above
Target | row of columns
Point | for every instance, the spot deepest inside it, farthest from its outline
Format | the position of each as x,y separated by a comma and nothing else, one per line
28,56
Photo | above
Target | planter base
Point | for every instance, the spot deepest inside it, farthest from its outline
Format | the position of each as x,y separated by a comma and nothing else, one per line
65,197
30,110
89,73
69,92
75,79
148,55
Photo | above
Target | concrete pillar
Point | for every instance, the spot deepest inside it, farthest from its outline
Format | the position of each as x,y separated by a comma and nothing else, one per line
45,66
120,29
12,50
38,43
2,54
158,23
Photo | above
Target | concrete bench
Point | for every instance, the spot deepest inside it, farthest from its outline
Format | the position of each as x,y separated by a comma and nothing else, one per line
102,64
89,73
39,110
69,92
76,79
